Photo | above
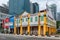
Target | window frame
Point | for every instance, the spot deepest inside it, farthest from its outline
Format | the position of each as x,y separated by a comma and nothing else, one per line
31,19
36,18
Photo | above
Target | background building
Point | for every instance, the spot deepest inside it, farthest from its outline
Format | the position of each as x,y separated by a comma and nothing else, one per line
53,9
27,5
17,7
3,14
35,7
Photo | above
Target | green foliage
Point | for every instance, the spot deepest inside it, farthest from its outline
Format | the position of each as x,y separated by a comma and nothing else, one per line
58,24
47,33
1,29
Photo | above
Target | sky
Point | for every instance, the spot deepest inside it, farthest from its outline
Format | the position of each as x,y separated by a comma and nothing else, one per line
42,3
3,2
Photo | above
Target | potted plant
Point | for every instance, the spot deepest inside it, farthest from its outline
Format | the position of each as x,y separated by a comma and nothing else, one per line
47,33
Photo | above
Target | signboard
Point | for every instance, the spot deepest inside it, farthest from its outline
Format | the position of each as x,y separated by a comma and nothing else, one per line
11,23
6,24
6,21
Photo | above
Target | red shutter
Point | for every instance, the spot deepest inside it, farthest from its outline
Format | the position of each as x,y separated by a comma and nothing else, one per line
6,21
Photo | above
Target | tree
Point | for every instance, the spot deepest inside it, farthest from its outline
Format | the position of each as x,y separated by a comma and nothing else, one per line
58,24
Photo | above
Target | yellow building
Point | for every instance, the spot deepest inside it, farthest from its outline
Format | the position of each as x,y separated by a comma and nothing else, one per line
35,24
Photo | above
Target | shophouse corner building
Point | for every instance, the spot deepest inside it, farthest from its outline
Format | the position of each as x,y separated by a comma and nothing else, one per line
33,24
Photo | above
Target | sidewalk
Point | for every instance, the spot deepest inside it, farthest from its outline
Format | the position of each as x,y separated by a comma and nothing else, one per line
52,37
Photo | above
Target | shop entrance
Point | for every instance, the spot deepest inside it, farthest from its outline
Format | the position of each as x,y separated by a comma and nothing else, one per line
24,30
11,30
34,30
42,30
18,30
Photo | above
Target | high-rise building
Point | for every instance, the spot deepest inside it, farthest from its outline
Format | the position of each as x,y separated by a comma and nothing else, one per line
27,5
19,6
35,7
53,9
15,5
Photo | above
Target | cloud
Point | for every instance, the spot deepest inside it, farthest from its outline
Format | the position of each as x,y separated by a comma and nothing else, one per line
58,6
42,3
3,2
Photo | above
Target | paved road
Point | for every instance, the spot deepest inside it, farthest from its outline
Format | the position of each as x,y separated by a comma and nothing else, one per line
17,37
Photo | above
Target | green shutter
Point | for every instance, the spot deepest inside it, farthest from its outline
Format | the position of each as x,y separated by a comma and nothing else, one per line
42,18
23,20
31,19
18,21
48,20
36,18
26,19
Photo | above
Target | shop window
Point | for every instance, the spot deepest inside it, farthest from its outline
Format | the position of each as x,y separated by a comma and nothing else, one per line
31,19
42,18
47,20
18,21
23,20
36,18
26,19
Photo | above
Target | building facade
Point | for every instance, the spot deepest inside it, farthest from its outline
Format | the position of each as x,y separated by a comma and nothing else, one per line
34,24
